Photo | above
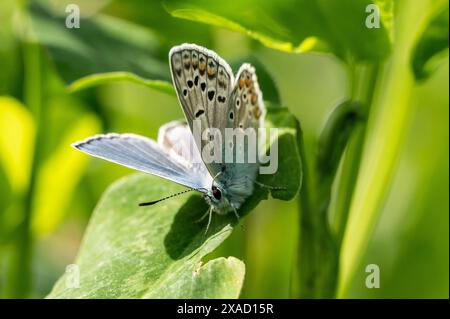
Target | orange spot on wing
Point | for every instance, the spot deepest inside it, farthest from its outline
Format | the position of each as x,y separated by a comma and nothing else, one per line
211,71
257,112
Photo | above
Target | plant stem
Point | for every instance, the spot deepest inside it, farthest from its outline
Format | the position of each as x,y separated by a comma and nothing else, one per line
317,268
388,125
363,88
312,276
21,263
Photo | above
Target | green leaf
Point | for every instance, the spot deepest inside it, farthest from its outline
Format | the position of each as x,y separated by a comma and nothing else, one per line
153,252
266,82
157,251
432,46
169,31
294,26
101,78
101,44
289,174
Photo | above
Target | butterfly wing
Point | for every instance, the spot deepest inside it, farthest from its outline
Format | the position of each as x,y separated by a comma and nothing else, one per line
203,83
176,139
246,110
208,92
143,154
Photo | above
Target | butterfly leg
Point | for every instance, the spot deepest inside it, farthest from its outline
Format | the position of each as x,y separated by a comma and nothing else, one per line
209,220
269,187
203,216
236,214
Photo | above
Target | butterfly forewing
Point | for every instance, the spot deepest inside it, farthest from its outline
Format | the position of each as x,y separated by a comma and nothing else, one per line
203,82
144,155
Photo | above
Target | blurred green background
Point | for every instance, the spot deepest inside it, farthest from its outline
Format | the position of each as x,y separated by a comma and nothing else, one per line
41,226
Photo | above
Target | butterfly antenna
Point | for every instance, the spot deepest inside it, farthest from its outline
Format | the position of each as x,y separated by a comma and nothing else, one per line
164,198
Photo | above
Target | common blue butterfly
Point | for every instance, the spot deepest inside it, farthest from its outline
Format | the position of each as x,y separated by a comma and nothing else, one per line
213,98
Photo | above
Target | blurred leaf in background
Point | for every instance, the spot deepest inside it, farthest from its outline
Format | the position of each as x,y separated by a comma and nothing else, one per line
16,142
103,44
432,47
293,26
59,175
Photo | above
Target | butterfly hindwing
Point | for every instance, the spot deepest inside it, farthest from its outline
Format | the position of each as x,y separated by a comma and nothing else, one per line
176,139
246,108
245,113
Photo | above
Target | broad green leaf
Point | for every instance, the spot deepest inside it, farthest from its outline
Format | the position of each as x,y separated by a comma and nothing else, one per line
101,44
17,129
101,78
294,26
153,252
157,251
289,173
432,46
59,175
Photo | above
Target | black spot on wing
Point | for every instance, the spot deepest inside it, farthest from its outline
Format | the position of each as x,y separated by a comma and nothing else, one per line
211,95
199,112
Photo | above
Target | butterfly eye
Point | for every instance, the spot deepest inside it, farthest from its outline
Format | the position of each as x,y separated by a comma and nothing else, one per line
216,193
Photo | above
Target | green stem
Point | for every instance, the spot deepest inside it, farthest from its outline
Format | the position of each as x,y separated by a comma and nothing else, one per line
363,88
388,125
303,285
313,278
21,263
317,267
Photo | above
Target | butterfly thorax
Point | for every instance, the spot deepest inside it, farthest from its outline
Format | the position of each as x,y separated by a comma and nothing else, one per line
232,187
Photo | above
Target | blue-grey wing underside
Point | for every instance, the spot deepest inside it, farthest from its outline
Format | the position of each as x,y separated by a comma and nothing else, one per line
143,154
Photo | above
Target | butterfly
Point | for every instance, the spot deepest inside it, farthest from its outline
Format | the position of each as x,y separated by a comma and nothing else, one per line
211,96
